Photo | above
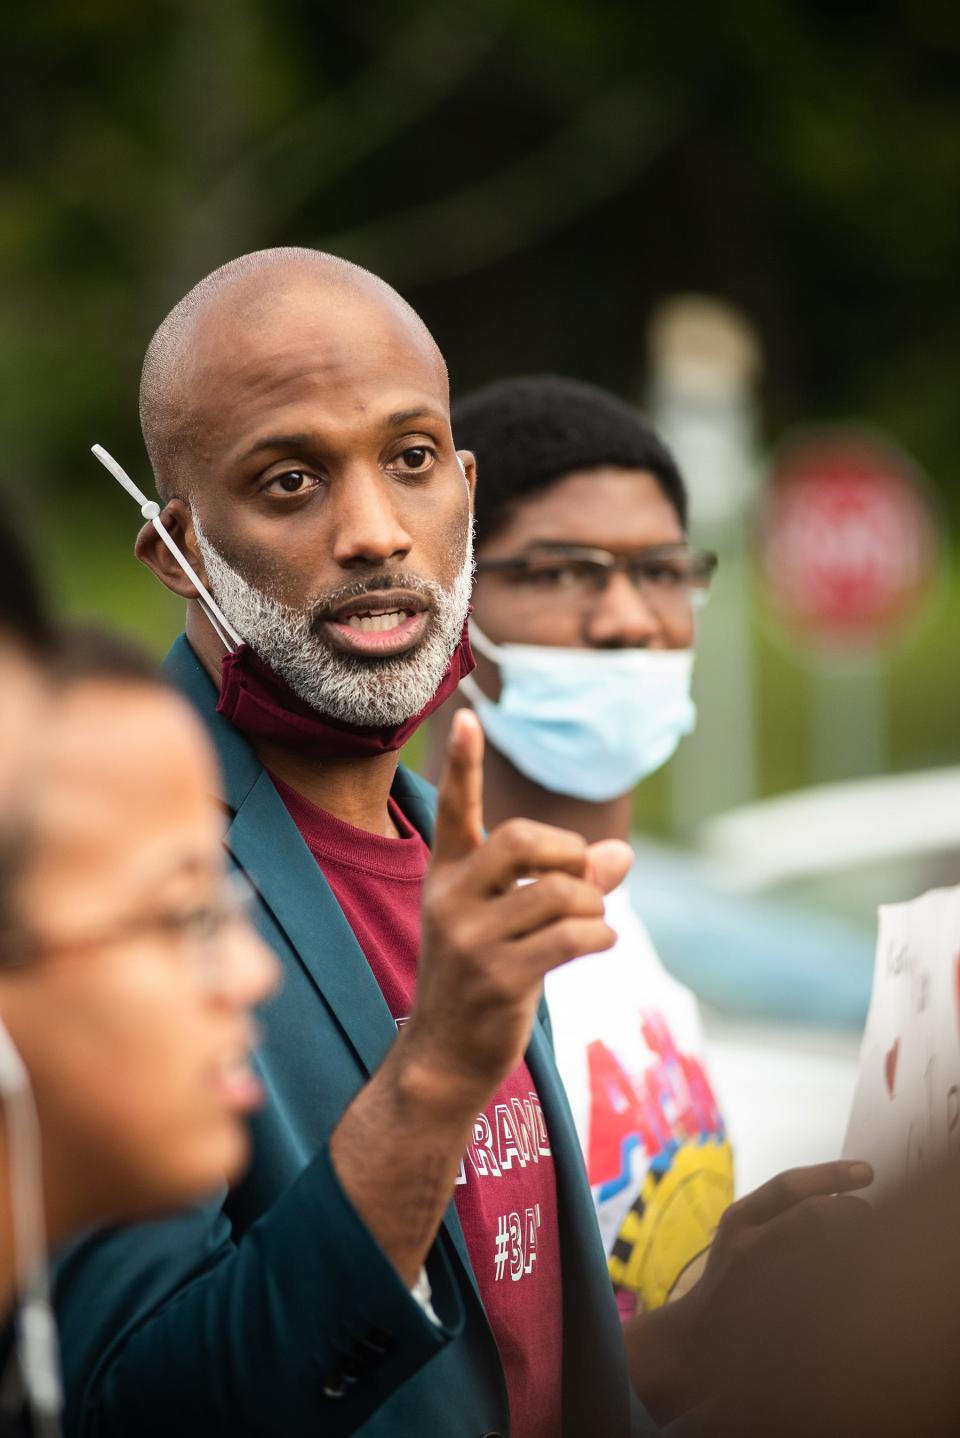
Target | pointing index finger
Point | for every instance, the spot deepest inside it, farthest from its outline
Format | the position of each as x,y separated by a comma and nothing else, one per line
459,827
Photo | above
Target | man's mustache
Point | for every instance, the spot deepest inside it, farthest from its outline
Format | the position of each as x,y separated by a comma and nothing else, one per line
326,605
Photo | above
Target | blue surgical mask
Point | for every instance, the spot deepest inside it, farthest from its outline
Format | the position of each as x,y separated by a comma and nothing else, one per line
590,723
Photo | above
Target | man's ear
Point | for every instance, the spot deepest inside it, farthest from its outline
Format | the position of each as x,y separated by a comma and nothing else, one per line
151,550
468,463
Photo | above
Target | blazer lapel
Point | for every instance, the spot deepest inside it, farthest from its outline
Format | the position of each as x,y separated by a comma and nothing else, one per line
265,842
267,845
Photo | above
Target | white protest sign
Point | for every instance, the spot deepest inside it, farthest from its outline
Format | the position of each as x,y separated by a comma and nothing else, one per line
906,1109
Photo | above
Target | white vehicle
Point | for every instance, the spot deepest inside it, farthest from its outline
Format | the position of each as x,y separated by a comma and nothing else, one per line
772,922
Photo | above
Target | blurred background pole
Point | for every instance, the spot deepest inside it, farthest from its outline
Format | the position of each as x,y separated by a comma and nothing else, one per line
848,729
704,365
849,552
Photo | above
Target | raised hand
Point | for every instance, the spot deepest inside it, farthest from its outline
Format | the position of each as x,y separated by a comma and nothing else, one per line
499,913
488,940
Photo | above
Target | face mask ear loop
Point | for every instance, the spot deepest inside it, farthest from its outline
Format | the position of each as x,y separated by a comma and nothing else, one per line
468,685
150,509
483,645
37,1348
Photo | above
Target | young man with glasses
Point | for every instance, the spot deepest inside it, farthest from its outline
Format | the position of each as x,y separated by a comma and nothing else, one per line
128,970
584,626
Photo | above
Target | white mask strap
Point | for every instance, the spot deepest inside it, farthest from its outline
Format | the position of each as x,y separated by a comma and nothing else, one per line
35,1325
150,509
483,645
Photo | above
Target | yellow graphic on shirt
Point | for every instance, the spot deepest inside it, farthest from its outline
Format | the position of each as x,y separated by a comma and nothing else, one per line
665,1117
673,1220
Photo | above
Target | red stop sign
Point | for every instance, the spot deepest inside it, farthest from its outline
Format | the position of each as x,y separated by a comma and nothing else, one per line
848,542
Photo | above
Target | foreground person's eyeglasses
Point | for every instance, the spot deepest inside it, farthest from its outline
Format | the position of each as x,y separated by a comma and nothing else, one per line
197,933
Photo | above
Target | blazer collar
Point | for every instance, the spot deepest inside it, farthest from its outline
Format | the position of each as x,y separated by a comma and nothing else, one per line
266,844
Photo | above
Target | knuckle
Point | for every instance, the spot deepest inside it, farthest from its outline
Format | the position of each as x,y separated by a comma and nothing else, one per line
466,942
569,938
786,1186
730,1219
436,904
557,891
517,837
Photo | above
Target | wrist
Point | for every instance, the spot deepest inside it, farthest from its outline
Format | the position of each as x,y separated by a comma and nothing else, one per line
431,1086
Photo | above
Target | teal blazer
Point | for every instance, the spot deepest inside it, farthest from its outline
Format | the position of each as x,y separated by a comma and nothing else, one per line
271,1310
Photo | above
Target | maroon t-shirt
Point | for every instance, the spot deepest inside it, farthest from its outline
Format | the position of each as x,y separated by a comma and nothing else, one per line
506,1193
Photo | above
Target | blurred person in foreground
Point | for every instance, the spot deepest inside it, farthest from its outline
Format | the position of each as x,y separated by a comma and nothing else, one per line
296,413
25,640
135,1068
127,972
583,621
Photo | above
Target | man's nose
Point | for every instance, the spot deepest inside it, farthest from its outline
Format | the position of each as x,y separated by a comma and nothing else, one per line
367,526
249,970
623,618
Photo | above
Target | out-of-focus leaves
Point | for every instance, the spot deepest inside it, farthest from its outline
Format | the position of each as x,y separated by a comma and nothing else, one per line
535,174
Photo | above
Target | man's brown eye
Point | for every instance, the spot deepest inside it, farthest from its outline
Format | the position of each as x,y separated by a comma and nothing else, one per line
292,482
415,458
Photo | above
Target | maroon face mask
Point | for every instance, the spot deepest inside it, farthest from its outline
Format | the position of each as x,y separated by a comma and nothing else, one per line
263,706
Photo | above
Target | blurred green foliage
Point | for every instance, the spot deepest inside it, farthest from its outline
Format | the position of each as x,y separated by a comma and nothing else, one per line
534,175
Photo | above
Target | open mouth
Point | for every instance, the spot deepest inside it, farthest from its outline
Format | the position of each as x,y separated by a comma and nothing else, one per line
378,624
236,1082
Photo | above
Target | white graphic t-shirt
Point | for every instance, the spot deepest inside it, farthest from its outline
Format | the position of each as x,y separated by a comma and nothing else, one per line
629,1048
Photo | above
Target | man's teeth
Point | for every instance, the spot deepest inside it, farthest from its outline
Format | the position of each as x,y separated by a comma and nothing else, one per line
375,623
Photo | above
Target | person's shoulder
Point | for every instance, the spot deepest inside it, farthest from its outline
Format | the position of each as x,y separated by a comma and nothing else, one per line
183,670
239,766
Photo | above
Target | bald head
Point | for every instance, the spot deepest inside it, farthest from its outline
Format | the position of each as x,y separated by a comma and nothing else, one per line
209,333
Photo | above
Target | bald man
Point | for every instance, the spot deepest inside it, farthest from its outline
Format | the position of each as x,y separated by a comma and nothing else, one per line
416,1191
414,1250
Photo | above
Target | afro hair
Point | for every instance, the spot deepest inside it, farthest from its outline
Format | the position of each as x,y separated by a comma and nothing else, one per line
529,432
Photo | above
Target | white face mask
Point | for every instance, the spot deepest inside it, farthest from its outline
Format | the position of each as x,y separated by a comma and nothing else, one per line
36,1334
590,723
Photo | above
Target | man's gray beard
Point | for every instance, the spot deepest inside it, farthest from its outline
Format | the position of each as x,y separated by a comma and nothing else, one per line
362,692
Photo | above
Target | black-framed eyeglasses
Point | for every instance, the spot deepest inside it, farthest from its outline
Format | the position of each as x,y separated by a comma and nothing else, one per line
670,576
199,930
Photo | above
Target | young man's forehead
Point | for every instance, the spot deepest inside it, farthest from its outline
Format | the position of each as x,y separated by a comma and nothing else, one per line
609,508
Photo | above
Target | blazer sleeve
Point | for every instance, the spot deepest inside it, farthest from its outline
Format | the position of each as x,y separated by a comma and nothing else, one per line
301,1327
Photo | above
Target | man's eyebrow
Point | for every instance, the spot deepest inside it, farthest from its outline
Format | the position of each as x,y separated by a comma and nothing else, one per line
279,441
404,416
305,441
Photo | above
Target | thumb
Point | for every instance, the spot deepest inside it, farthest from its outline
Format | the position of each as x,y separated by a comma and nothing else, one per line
459,827
608,863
